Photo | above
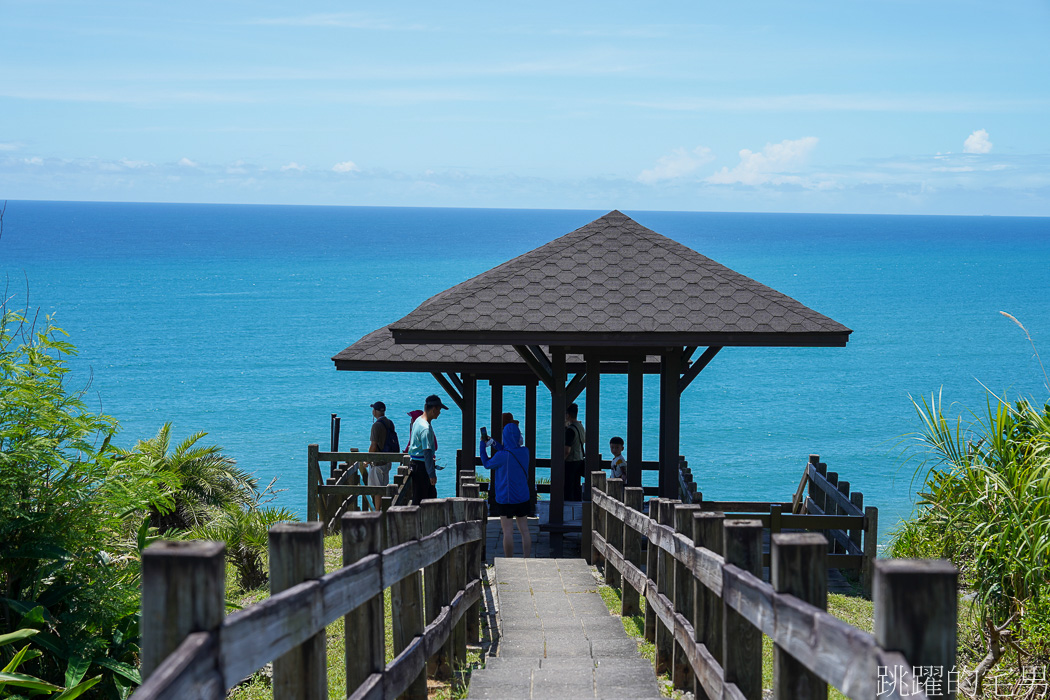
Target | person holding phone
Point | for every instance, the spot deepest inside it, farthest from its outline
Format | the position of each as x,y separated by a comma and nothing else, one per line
509,464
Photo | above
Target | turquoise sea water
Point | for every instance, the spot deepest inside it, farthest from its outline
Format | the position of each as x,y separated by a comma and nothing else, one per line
224,319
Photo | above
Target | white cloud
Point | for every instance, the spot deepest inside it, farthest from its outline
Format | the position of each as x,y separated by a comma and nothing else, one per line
343,20
769,165
236,168
293,166
186,163
347,166
678,164
977,142
33,161
10,146
135,164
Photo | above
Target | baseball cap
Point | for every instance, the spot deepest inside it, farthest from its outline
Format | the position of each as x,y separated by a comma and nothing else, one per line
434,400
379,406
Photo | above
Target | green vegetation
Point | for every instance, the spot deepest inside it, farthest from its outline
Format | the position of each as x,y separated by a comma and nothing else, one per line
76,513
985,505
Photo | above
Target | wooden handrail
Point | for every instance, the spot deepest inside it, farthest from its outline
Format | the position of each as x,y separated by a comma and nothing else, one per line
820,644
206,664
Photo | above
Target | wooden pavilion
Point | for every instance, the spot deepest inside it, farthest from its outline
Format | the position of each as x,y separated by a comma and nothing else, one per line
609,297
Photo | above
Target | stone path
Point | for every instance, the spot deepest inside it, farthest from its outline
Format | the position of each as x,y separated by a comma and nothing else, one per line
557,638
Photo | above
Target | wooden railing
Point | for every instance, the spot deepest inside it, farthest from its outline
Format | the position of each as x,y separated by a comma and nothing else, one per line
707,605
191,649
328,498
852,530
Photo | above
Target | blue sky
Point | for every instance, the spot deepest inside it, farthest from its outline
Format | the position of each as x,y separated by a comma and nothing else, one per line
899,106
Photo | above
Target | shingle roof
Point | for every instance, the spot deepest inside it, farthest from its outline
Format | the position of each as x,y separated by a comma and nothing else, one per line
377,351
615,280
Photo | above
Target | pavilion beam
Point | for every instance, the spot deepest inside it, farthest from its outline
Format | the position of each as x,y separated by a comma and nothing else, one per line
593,457
670,415
687,354
496,411
530,436
470,420
541,357
543,374
558,404
697,367
456,382
634,422
449,389
579,383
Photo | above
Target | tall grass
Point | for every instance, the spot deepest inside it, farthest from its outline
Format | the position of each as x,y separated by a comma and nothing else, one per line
985,505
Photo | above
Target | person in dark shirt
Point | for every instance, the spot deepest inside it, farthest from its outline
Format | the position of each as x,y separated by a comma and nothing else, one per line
379,472
575,439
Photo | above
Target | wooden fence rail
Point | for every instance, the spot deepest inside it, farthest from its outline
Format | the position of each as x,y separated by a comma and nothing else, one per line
829,508
707,606
190,649
327,499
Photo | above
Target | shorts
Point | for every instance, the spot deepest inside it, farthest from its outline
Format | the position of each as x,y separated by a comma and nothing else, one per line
511,510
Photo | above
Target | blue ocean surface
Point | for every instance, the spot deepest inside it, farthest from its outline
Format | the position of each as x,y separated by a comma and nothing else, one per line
224,319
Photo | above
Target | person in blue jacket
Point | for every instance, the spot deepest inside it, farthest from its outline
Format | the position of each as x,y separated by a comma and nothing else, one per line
509,465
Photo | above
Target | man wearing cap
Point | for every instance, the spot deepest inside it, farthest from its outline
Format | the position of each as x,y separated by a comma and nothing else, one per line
421,448
383,432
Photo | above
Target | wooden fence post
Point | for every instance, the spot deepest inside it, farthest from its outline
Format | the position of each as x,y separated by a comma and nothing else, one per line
817,494
297,555
475,557
832,509
665,585
598,520
183,591
364,628
650,573
871,548
683,676
915,614
798,565
436,515
313,478
742,643
475,562
406,596
707,606
857,499
775,510
632,552
614,533
457,582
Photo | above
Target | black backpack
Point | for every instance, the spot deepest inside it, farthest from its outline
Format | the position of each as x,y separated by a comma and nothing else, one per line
391,444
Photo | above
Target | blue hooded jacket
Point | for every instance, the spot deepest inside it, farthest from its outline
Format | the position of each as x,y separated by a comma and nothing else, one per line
510,467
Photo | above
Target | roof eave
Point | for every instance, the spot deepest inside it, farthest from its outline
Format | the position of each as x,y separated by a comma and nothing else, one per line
625,339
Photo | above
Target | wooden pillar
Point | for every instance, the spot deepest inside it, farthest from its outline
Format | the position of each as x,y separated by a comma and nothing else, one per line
742,643
651,558
475,562
313,480
614,533
183,591
530,435
915,614
406,596
469,440
670,412
297,555
593,447
365,640
634,421
799,567
457,582
665,585
558,403
496,406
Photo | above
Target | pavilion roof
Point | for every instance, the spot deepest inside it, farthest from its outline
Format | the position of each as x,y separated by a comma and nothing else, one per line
614,281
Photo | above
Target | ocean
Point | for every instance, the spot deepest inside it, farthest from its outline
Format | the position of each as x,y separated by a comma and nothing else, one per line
223,318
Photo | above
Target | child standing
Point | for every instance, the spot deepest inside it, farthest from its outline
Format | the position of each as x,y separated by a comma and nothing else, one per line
618,464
